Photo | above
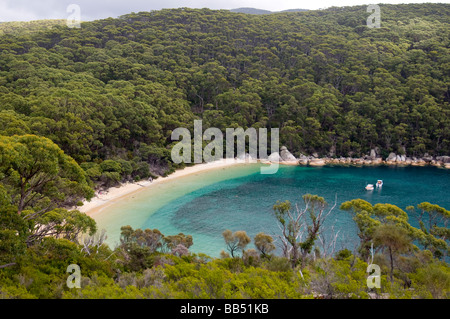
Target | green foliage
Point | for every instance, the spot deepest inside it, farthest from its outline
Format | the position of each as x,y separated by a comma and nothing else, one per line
433,281
264,244
343,254
292,222
276,263
116,88
39,175
172,242
61,223
369,218
96,106
236,241
395,239
343,279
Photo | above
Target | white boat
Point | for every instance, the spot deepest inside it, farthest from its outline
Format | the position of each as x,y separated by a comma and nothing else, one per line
369,187
379,183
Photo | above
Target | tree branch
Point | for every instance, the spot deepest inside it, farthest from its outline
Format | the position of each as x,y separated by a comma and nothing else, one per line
7,265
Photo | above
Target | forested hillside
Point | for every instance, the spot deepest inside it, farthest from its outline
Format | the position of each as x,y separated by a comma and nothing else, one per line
29,27
251,11
261,11
116,88
97,105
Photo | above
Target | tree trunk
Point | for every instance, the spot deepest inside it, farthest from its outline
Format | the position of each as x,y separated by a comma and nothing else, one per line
22,199
392,264
7,265
295,255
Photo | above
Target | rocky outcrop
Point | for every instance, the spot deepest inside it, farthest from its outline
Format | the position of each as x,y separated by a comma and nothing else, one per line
403,160
418,162
317,162
392,157
332,152
443,159
286,155
303,161
427,158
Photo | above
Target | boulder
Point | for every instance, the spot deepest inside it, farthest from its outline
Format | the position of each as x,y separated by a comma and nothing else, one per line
303,161
443,159
373,154
437,163
275,157
392,157
427,159
377,150
315,155
418,162
378,160
286,155
332,152
336,161
317,162
347,160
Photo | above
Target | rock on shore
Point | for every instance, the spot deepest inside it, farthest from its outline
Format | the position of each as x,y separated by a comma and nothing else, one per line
317,162
275,157
373,159
286,157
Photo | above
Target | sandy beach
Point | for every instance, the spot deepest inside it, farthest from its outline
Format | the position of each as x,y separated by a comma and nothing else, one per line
103,200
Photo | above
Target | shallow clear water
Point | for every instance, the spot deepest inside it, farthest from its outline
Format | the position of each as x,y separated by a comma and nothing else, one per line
240,198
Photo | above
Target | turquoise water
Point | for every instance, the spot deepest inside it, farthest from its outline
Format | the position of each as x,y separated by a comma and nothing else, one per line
240,198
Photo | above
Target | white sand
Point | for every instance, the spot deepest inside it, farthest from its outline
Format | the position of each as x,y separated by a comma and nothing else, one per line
100,201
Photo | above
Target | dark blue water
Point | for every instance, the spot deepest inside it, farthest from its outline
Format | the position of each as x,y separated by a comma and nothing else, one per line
246,203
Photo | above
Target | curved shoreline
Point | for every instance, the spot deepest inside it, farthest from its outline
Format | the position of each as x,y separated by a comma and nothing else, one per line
101,201
114,194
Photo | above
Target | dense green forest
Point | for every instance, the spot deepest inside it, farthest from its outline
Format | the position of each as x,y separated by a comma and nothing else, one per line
29,27
260,11
116,88
97,105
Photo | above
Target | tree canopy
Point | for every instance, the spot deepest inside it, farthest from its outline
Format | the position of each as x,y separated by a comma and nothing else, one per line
97,105
115,89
